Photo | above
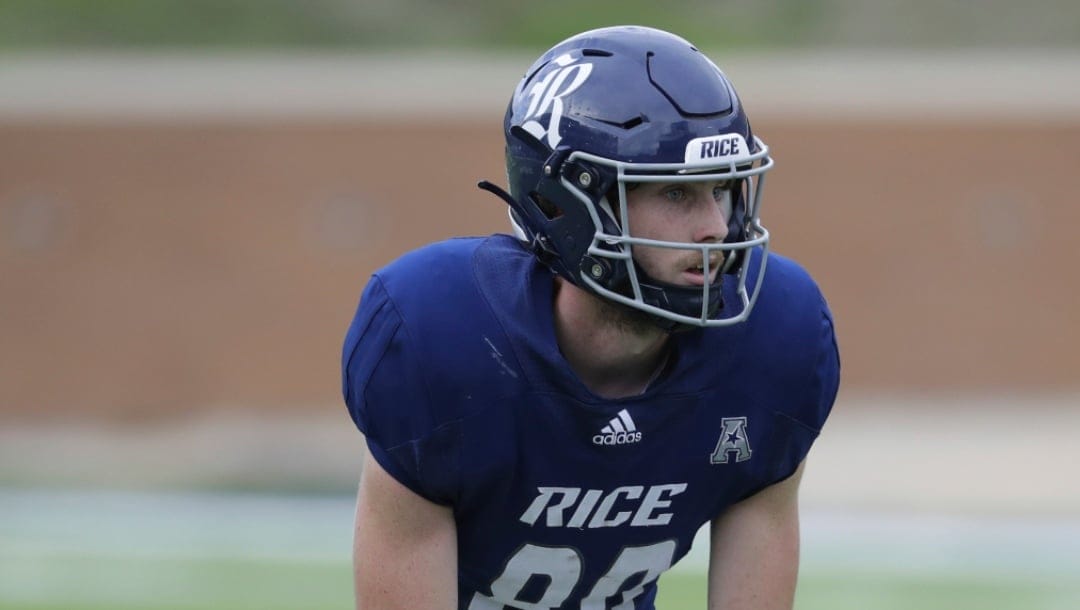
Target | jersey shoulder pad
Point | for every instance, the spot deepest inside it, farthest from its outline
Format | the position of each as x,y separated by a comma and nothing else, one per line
411,361
793,321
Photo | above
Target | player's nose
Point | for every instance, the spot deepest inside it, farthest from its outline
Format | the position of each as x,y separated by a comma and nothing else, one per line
711,224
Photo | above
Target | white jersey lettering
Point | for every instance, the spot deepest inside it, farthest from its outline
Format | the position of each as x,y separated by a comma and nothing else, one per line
638,505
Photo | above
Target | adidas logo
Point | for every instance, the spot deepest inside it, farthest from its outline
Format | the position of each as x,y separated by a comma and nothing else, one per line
619,431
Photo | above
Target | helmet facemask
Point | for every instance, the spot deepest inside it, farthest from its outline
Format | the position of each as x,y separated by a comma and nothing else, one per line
610,270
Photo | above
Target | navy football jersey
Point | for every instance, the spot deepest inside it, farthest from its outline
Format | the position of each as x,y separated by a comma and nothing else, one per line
564,499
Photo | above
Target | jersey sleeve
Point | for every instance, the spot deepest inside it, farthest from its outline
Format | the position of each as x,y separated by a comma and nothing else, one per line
824,382
387,396
797,428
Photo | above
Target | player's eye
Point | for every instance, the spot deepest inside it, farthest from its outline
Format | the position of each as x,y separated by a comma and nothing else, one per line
675,194
718,190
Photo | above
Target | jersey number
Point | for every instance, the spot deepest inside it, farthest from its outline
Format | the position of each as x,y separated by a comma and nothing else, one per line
560,567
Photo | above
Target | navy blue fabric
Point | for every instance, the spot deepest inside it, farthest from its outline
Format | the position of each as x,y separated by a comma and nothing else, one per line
452,372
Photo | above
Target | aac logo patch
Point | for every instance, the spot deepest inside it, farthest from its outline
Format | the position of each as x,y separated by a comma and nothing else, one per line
733,442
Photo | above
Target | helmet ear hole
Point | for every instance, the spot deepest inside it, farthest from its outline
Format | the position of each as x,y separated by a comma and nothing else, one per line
546,206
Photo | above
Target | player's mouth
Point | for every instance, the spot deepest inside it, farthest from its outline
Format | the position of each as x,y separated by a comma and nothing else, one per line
694,275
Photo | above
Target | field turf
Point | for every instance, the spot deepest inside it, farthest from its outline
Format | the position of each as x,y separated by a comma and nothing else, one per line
89,583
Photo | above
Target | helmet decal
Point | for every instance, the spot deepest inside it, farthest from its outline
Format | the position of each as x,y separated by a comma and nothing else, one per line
549,93
709,150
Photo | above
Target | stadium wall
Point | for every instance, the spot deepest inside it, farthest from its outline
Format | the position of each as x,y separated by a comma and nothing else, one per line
186,234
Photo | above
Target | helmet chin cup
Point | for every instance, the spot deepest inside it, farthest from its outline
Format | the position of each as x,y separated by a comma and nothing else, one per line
687,301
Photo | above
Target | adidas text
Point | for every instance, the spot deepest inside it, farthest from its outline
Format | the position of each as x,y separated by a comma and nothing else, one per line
616,438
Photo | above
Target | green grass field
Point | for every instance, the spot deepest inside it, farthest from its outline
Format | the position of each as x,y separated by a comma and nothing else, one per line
844,591
118,551
114,584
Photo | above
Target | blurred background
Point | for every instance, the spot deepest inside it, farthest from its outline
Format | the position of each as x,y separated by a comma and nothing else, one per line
193,194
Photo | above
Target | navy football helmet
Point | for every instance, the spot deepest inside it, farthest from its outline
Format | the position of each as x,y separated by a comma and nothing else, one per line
621,105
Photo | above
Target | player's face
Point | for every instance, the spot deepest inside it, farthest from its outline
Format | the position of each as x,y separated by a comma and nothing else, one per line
694,212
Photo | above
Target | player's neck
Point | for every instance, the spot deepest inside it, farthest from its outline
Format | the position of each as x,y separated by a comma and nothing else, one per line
614,355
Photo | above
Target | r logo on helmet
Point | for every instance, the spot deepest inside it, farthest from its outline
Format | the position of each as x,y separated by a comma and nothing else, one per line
549,94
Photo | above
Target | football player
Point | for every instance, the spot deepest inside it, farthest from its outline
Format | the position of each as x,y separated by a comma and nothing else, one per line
551,416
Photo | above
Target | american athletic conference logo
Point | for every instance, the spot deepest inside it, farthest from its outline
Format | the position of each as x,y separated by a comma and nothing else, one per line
549,92
734,442
619,431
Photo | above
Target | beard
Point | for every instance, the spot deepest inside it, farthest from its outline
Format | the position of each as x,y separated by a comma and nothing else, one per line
626,319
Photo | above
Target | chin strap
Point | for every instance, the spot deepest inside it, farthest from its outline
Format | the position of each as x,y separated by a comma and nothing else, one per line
499,192
537,243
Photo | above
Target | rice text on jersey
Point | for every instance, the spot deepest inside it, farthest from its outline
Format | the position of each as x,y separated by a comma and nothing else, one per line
572,506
